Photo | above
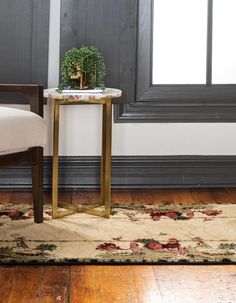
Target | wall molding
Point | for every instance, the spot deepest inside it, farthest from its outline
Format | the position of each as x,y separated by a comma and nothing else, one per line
132,172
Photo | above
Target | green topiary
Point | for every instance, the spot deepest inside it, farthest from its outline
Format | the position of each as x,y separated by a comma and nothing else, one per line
82,68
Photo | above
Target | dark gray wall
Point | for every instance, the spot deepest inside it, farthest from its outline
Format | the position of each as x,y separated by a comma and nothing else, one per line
110,25
24,31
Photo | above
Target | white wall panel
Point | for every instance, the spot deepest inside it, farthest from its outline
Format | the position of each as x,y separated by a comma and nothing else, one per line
224,42
179,41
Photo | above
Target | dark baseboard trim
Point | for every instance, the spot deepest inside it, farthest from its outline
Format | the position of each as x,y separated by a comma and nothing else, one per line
132,172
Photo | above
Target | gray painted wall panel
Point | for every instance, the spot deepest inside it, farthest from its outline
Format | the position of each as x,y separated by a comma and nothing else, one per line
24,30
110,25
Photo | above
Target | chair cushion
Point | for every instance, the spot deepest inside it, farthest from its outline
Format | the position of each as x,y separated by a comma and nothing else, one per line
20,130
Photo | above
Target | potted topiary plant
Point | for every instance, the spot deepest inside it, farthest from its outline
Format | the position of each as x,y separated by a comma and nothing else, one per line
82,69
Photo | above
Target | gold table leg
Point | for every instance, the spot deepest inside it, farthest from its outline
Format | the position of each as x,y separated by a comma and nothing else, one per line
105,168
55,158
106,157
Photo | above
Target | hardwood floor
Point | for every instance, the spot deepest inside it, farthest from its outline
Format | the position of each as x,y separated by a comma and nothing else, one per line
118,284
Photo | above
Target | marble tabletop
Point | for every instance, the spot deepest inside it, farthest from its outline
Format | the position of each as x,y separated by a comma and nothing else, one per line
108,93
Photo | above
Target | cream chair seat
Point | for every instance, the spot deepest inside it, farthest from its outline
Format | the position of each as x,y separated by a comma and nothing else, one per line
22,137
20,130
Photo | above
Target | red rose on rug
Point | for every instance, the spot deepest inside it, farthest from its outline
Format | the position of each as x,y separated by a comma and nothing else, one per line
108,247
154,246
211,212
171,244
156,215
172,214
15,215
134,247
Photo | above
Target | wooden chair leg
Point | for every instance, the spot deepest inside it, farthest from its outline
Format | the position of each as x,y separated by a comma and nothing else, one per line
37,185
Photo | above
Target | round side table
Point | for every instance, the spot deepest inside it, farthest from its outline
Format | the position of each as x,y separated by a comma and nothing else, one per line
105,99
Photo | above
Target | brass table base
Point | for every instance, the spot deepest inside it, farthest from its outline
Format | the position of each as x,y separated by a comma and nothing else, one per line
105,164
72,209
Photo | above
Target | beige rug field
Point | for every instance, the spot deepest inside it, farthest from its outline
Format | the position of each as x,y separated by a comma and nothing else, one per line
133,234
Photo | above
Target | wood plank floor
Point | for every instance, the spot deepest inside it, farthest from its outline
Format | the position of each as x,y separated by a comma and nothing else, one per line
118,284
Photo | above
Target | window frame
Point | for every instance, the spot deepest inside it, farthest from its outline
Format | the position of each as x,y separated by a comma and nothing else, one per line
174,103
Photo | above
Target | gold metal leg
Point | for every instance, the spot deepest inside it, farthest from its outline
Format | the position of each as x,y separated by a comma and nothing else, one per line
55,158
103,154
55,212
106,157
105,168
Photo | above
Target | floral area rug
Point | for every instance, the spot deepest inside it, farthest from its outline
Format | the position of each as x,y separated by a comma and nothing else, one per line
134,234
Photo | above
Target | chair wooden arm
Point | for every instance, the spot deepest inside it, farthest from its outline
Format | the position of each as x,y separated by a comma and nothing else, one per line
33,92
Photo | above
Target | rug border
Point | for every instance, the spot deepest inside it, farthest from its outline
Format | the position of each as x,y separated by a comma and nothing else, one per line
111,262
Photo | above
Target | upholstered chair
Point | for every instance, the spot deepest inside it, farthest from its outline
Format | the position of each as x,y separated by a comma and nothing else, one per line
22,137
